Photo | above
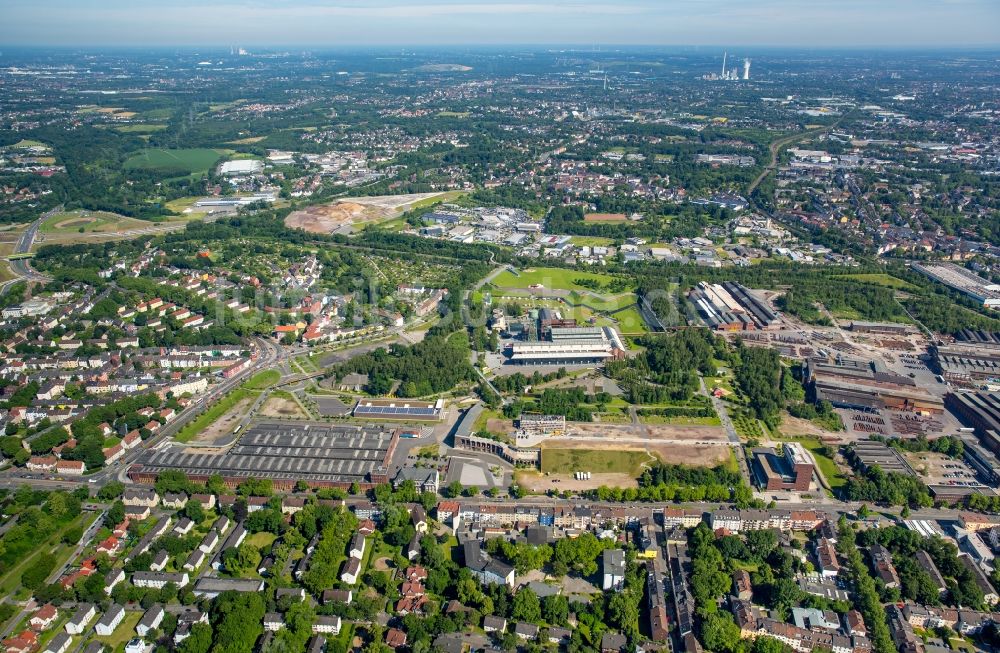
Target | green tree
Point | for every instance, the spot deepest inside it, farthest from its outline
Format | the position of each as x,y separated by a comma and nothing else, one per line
555,609
199,641
720,633
526,606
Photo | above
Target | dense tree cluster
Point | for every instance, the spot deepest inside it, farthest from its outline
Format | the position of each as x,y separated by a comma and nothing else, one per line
121,414
869,603
758,374
916,583
436,364
892,488
570,402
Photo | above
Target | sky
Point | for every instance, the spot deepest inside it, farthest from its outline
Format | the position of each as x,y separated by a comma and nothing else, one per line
339,23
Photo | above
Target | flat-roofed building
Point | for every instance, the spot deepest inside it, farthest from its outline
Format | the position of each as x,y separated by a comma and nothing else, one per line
322,455
208,587
962,280
793,470
859,385
404,410
871,453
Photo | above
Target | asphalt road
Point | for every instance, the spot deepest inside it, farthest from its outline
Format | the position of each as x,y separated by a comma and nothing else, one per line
21,267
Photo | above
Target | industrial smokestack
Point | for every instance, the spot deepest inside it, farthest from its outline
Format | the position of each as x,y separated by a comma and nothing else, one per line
746,69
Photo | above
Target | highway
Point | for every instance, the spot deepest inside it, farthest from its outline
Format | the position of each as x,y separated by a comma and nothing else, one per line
21,267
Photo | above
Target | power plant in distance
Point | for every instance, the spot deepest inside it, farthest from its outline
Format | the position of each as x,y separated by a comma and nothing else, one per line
730,75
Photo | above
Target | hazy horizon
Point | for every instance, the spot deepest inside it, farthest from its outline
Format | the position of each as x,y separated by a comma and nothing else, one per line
830,24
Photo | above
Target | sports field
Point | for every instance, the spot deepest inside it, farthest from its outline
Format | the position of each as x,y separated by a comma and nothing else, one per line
194,160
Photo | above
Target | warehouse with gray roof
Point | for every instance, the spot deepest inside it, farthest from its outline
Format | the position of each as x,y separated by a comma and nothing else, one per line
322,455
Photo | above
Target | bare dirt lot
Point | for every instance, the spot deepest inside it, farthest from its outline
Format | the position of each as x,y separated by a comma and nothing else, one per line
538,482
651,433
221,430
281,407
350,211
794,427
708,455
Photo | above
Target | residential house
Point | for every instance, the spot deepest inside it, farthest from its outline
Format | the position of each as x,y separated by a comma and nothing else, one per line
110,620
613,565
151,620
85,612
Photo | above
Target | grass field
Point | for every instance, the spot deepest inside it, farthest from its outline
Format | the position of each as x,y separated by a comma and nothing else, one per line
630,322
884,280
123,633
591,241
200,423
193,160
262,380
261,540
25,143
70,222
680,421
598,461
550,278
449,196
178,205
140,129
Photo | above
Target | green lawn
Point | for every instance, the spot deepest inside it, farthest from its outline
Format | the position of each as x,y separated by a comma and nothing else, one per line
630,321
448,196
123,633
139,129
261,540
565,461
591,241
263,380
70,222
680,421
550,278
190,160
200,423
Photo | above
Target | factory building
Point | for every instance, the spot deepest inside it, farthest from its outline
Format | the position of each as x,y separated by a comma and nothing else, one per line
863,385
964,281
399,409
320,454
967,362
731,307
981,411
870,453
569,346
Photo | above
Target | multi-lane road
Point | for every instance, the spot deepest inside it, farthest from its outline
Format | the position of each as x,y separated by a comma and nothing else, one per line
21,267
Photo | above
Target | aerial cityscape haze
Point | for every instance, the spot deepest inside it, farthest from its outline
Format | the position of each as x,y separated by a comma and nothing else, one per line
462,327
295,24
